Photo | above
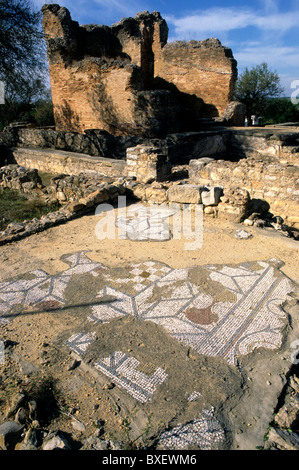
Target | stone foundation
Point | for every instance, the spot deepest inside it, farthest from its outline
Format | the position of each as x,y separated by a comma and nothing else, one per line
55,161
219,177
265,178
148,164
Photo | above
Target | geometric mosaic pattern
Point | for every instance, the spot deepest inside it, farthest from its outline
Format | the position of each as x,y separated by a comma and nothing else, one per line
41,289
249,316
205,432
122,369
226,329
153,291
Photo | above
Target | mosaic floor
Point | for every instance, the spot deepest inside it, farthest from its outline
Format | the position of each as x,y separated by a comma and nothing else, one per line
154,291
248,316
225,329
204,431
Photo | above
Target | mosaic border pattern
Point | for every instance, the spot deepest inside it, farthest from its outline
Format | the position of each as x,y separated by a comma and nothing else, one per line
225,329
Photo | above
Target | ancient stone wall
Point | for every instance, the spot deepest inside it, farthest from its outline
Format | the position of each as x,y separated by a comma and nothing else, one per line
127,80
204,72
56,161
93,142
265,179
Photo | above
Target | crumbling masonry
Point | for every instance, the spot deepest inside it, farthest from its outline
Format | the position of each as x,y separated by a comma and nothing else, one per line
127,80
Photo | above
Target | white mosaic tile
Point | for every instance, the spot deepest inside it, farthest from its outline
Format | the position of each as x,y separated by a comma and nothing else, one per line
79,342
225,329
123,370
194,396
205,432
42,287
216,328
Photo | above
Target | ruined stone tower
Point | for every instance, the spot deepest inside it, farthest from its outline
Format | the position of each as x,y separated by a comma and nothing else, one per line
127,80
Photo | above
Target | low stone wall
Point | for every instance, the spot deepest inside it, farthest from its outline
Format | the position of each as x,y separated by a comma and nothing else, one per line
61,188
93,142
148,164
56,161
280,143
268,171
265,178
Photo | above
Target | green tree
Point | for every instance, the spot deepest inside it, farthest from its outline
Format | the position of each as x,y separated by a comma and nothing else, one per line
21,41
23,62
279,110
255,86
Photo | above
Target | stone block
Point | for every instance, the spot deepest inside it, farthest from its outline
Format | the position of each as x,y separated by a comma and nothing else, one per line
94,198
211,196
149,164
185,194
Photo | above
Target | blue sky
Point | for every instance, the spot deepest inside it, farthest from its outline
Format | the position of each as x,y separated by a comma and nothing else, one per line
257,31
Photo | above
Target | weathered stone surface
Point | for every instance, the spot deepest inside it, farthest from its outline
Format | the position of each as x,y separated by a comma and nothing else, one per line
235,114
148,164
282,440
56,441
288,414
235,204
98,196
211,196
10,433
184,194
57,161
270,180
204,69
127,80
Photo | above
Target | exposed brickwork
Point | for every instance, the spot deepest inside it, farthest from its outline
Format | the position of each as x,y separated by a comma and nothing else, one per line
127,80
204,69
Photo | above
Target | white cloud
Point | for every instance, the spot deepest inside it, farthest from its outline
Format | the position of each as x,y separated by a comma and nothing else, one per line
218,20
265,43
283,55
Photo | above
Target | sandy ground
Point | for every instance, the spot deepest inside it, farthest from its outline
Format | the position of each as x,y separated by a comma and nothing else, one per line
219,246
33,360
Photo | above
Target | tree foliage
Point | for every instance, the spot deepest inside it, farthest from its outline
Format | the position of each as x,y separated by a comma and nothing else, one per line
279,110
255,86
23,63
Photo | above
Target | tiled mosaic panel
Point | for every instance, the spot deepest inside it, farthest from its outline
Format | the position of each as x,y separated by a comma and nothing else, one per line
43,289
226,329
122,369
214,328
204,432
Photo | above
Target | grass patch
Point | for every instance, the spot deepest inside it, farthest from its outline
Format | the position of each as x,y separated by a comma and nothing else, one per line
14,207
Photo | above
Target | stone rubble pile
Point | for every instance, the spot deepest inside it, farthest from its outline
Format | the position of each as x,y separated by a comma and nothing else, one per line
77,195
23,430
